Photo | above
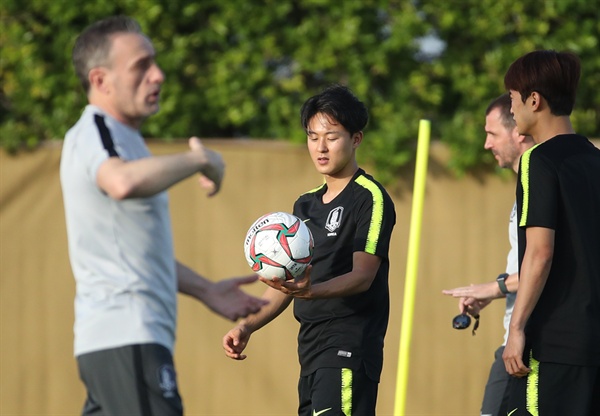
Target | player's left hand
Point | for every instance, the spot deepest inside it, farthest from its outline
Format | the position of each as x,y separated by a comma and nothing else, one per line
481,291
300,288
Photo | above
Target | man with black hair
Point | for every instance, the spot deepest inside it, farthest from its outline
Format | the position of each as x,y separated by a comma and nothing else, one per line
342,301
553,347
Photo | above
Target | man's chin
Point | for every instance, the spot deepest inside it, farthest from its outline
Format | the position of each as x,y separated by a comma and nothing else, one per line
151,109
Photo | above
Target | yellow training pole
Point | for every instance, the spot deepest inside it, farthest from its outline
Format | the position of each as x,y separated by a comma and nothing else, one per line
412,260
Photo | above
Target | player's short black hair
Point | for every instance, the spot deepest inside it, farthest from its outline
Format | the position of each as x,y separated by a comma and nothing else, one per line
554,75
339,103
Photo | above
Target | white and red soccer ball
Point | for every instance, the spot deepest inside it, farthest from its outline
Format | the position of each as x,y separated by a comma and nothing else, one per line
278,245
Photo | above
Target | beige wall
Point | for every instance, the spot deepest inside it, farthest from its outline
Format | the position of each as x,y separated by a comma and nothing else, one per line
464,240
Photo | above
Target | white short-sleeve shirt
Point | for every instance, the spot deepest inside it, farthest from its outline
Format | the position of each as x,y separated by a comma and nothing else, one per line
121,252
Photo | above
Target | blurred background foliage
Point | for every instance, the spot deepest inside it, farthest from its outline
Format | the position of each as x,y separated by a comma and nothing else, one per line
243,68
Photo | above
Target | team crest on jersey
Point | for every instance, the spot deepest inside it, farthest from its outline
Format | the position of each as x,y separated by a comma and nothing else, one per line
334,219
167,380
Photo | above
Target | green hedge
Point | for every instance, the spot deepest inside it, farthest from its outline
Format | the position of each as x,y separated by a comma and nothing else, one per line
242,68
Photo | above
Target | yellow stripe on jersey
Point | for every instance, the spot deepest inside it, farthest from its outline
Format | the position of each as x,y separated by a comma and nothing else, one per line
312,191
376,215
525,184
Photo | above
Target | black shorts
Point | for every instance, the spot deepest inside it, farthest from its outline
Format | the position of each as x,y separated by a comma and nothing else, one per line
130,380
552,389
337,392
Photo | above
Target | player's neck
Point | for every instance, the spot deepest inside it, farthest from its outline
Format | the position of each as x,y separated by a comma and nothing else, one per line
337,183
112,110
552,126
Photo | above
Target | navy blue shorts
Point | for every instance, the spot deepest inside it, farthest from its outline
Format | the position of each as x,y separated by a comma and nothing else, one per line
130,380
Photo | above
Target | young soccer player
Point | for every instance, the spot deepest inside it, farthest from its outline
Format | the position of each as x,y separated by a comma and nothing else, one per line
553,346
342,301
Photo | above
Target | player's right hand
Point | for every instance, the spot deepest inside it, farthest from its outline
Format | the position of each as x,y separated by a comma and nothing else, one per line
212,169
513,354
472,306
235,341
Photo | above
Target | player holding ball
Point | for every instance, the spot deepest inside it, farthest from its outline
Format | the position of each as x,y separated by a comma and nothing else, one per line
342,300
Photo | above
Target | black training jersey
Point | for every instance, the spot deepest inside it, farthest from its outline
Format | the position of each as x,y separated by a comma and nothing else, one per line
346,332
559,188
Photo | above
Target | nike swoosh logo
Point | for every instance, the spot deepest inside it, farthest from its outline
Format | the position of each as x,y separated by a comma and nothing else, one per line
307,220
320,412
512,411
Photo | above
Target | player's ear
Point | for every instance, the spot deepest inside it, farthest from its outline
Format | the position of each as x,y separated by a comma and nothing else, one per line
515,134
97,79
357,139
536,100
518,138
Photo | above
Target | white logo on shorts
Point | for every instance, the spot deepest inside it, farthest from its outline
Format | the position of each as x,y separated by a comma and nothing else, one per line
167,380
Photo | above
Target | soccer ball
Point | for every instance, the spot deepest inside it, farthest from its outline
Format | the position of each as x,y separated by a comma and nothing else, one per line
278,245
